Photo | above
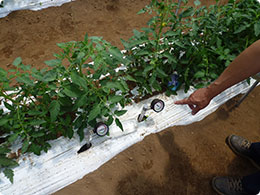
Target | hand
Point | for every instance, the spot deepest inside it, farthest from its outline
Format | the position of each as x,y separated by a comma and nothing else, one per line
197,100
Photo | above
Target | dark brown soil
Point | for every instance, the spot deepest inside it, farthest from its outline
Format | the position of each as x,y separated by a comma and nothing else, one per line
179,160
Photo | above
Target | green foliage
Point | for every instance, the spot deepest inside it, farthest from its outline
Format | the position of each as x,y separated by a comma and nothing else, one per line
197,43
73,94
9,174
6,163
46,104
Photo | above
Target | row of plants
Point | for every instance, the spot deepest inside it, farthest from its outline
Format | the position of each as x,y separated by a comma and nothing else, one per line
80,87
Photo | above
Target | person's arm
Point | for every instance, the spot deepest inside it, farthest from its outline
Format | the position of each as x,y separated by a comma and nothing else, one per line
245,65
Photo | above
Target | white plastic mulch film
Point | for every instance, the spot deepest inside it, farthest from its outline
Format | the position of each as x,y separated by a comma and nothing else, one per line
14,5
62,166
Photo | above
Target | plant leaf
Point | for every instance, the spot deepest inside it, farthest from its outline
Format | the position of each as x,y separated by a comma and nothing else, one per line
197,3
171,33
70,132
7,162
118,55
130,78
94,112
9,106
115,85
36,149
120,112
240,29
141,11
72,91
78,80
257,28
54,110
38,134
53,63
37,122
80,102
25,79
3,121
34,112
110,120
170,57
81,55
124,84
50,76
125,43
9,174
86,37
119,124
4,150
161,72
78,122
17,61
199,74
115,98
13,137
81,133
147,69
25,146
186,13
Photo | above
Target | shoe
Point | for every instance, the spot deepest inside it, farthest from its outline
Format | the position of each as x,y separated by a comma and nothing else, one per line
228,186
241,147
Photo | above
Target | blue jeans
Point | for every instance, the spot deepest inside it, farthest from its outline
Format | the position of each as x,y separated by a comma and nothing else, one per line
251,183
255,150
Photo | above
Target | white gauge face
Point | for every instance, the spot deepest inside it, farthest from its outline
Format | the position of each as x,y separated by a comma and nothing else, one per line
158,106
102,130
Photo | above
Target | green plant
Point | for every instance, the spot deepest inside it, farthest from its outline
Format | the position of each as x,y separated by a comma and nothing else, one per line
197,43
81,87
211,38
45,104
148,50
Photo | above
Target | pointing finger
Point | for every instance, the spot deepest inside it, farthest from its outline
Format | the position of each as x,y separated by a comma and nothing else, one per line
184,101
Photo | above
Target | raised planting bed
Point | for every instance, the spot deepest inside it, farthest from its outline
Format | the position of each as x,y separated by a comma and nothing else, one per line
91,81
62,165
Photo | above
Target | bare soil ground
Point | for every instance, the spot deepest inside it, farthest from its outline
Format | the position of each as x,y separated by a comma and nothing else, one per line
179,160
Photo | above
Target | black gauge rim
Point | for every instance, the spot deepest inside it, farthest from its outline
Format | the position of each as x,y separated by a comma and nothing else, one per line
156,101
105,132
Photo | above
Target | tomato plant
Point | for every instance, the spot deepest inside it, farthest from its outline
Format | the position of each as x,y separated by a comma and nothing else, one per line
89,81
197,43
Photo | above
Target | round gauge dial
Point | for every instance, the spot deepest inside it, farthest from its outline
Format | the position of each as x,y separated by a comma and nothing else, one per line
157,105
101,129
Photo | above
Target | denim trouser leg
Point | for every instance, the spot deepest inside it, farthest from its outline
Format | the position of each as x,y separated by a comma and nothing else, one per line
255,150
251,183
